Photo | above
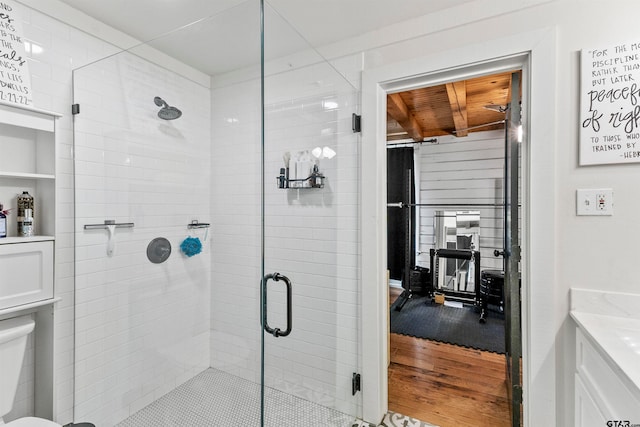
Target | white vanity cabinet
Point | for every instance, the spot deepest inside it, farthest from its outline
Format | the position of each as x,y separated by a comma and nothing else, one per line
27,163
587,411
602,391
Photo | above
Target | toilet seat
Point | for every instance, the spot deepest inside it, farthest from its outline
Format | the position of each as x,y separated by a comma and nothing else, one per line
32,422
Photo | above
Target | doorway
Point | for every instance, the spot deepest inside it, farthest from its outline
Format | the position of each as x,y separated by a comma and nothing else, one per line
534,52
529,51
448,334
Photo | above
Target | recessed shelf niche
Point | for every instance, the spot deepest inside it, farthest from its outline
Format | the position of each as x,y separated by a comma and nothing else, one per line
27,163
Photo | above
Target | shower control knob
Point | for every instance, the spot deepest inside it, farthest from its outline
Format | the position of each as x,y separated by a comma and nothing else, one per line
497,253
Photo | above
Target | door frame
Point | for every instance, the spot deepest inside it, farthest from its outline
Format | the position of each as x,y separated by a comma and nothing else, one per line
534,52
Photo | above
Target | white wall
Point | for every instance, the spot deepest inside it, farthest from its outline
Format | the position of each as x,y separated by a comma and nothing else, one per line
591,252
141,328
311,235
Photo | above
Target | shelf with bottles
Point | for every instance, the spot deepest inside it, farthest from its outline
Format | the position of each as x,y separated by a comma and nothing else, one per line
315,180
28,163
43,192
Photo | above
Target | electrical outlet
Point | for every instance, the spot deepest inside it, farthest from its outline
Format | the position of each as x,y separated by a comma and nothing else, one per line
594,201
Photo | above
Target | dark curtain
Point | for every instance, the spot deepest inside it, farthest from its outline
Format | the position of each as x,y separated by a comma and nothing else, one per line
399,160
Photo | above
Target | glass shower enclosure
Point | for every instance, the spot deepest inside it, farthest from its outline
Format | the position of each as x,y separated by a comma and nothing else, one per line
216,230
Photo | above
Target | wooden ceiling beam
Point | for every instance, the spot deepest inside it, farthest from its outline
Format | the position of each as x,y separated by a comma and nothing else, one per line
399,111
508,101
457,92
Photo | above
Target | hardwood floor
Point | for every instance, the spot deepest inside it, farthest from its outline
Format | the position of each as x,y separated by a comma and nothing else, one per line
445,384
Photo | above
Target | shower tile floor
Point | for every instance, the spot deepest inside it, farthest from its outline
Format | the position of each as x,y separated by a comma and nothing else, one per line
217,399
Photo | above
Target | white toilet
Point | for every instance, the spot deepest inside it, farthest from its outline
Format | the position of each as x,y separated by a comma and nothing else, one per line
13,342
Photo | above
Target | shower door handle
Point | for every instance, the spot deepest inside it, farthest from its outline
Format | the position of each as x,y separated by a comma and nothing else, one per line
276,332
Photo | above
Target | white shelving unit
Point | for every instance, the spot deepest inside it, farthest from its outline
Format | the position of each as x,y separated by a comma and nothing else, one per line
27,163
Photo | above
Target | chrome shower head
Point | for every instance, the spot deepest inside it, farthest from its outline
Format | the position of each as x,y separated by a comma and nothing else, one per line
166,112
169,113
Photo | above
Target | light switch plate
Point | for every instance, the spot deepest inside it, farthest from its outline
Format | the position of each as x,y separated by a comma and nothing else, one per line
597,201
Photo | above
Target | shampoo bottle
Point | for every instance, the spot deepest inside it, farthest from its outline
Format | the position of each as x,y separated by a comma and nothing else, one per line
27,224
3,222
25,201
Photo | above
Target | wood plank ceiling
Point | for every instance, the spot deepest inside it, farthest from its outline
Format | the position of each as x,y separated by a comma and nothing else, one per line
448,109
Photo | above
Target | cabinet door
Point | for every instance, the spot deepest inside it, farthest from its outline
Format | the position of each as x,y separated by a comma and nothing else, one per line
587,412
27,273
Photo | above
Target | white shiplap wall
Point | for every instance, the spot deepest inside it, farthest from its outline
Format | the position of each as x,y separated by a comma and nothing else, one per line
467,170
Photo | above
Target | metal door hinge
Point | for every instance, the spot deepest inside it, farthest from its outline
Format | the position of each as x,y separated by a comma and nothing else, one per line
355,384
516,253
356,122
75,109
517,394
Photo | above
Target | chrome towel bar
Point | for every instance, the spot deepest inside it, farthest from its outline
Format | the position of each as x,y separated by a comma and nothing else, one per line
196,224
108,222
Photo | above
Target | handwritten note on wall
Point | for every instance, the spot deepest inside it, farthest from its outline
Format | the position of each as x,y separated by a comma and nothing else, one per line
610,105
15,80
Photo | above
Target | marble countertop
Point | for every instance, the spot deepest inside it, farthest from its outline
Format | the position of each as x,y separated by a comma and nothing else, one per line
612,321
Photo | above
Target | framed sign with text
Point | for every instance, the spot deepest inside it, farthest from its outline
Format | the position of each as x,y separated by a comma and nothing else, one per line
610,104
15,80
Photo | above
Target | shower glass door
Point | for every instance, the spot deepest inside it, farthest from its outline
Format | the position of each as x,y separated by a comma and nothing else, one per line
311,234
142,308
167,228
209,290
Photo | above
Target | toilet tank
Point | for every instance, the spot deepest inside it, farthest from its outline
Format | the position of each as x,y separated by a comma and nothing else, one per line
13,342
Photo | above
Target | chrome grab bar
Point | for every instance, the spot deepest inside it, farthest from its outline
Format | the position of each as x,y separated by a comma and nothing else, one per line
276,332
108,222
196,224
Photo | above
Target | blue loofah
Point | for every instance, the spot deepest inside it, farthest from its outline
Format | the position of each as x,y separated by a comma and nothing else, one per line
191,246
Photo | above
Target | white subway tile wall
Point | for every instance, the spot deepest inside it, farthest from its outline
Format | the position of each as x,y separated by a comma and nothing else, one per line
312,235
235,218
141,328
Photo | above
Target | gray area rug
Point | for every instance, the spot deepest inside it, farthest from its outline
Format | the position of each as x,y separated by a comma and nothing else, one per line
460,326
